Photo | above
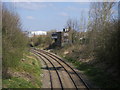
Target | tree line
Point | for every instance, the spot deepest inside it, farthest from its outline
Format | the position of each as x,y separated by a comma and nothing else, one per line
98,33
101,39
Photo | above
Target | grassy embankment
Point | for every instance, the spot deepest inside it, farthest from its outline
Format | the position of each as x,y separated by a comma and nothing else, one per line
97,72
25,75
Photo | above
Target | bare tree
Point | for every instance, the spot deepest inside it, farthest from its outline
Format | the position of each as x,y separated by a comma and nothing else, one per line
82,21
73,27
100,14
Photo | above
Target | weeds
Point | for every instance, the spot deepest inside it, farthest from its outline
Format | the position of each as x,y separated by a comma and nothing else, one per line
25,75
96,75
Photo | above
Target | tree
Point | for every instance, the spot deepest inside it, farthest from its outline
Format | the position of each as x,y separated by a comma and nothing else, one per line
73,27
100,16
13,40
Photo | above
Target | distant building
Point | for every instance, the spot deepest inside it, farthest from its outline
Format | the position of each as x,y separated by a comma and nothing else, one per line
35,33
57,36
61,37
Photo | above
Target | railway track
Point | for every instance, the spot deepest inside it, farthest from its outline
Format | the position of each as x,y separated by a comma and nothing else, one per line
66,75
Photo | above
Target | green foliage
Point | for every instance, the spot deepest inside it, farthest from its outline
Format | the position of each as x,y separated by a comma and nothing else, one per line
28,74
13,40
41,40
106,44
30,65
103,34
97,75
101,44
17,83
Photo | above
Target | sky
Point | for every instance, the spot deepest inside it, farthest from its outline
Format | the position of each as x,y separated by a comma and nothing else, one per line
45,16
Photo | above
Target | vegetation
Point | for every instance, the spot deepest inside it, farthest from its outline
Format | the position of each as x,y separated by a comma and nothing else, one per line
26,74
0,46
93,48
98,76
14,41
42,41
20,68
95,51
104,40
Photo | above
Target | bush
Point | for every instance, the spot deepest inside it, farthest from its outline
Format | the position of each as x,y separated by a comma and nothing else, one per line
108,48
13,40
41,41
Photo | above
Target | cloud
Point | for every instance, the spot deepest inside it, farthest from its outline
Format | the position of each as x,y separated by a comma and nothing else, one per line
77,9
72,8
30,17
63,14
30,5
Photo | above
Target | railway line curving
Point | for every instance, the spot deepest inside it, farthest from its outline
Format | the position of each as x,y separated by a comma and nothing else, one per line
56,62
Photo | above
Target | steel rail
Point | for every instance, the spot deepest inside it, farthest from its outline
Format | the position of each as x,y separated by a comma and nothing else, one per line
54,68
48,53
47,69
66,71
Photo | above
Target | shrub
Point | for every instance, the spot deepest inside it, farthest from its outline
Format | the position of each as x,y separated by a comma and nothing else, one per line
13,40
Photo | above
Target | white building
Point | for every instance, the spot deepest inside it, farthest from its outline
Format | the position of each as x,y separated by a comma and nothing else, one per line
33,33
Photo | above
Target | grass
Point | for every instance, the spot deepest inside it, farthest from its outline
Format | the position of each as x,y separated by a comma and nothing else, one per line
26,74
15,82
96,75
